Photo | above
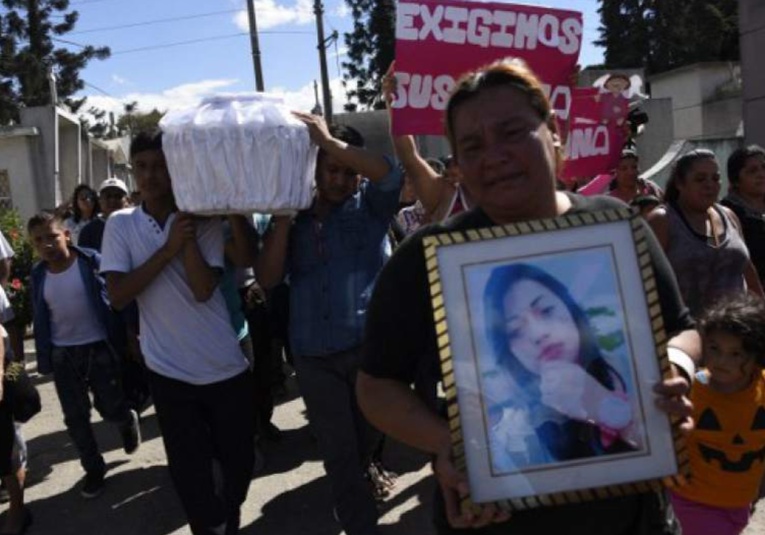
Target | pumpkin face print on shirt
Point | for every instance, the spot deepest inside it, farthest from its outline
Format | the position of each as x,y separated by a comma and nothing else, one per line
726,449
743,430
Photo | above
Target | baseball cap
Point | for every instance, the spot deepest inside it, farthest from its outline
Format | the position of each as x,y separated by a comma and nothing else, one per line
113,182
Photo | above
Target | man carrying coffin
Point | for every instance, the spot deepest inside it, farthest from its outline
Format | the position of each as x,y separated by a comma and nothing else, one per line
332,253
170,263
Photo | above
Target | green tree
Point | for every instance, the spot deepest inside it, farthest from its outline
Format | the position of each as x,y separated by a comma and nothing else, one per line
661,35
29,30
133,121
623,32
371,49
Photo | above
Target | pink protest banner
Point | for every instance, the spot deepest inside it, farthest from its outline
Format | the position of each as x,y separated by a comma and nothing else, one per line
438,41
593,141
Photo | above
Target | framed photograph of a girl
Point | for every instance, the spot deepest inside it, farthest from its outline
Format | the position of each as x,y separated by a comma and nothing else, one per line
551,340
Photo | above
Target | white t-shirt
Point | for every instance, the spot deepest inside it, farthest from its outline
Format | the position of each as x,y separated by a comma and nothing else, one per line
73,322
6,251
180,337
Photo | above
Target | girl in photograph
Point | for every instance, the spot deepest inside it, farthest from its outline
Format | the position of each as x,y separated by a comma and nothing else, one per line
577,403
727,446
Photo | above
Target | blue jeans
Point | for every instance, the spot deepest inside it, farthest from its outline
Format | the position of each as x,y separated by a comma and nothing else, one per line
78,370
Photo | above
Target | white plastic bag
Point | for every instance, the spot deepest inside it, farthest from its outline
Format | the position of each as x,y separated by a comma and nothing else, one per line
239,155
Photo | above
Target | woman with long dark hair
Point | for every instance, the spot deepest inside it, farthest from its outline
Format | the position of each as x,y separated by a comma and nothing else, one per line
576,402
702,239
85,208
746,197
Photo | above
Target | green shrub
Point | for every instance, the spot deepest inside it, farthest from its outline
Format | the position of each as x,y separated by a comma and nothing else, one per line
19,288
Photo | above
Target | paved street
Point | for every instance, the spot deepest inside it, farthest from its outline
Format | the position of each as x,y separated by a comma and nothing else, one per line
289,496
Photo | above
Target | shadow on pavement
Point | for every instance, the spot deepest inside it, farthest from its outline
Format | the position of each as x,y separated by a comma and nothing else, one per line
304,510
139,501
295,447
54,448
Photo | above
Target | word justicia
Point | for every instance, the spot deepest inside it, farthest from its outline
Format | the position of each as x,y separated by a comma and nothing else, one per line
487,28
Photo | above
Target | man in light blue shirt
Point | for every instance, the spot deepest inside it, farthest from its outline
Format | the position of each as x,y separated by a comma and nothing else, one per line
332,253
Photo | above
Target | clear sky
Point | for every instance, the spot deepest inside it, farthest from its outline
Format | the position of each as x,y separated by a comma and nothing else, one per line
220,61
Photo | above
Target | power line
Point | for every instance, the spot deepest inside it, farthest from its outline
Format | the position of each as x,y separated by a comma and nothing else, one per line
97,89
201,40
157,21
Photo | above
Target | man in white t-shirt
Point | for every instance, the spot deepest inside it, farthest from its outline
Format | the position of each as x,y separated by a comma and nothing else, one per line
170,263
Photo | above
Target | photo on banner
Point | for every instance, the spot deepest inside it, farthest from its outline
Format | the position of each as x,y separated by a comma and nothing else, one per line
438,41
548,377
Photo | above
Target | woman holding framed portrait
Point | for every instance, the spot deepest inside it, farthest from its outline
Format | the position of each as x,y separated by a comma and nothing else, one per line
503,135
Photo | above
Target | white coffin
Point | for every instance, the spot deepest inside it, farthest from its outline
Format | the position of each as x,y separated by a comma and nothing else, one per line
239,155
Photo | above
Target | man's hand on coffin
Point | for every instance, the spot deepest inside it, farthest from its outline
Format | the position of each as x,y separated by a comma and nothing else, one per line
317,128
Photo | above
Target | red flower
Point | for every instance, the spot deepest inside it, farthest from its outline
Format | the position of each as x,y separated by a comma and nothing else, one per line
16,284
14,234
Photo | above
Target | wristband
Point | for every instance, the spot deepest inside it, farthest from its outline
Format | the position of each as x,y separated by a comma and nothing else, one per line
683,361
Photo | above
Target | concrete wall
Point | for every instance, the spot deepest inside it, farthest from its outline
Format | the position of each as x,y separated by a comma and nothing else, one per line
99,156
722,148
659,132
55,170
705,99
17,157
752,24
45,175
70,164
375,128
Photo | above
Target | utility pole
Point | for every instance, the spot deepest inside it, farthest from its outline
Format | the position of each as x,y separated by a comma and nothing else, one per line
318,9
255,46
316,109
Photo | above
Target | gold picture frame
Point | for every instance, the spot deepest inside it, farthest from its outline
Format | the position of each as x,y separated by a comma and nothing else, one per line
593,256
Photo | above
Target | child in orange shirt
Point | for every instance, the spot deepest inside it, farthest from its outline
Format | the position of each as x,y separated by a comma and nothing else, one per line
727,446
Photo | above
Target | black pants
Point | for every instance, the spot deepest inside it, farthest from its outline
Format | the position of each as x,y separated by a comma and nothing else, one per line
6,435
201,424
260,355
328,386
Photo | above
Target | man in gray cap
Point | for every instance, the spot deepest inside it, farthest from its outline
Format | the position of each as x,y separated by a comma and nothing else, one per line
113,196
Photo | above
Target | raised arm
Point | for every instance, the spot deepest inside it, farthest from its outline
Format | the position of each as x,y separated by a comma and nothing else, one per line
269,266
124,284
428,185
370,165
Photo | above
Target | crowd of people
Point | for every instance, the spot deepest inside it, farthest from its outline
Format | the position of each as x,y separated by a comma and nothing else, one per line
200,311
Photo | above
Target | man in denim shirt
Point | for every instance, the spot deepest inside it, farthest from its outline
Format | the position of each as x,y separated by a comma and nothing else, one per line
332,253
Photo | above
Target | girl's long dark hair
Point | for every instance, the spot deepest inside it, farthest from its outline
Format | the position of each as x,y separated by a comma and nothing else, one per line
77,213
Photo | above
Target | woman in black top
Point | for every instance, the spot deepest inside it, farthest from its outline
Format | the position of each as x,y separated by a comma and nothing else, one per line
746,197
503,135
